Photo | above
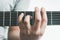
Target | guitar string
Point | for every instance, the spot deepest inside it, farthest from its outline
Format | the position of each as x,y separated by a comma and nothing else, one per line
25,13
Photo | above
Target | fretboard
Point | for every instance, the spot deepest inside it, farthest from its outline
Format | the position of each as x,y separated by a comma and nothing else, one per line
10,18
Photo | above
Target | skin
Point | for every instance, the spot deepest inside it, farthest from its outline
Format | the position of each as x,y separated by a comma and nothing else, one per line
14,33
25,31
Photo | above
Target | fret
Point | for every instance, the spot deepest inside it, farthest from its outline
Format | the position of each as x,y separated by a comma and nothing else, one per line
7,18
17,18
56,18
51,18
13,18
1,18
10,18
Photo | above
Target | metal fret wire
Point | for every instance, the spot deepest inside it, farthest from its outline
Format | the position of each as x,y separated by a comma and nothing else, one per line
17,17
10,19
3,18
51,17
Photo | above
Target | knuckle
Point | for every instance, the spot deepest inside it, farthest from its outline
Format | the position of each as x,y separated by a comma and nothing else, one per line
25,22
41,34
38,34
38,20
44,20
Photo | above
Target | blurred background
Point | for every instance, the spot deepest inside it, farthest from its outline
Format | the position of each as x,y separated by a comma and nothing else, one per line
52,32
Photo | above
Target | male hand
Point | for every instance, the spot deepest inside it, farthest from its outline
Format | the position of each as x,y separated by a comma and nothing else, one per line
25,31
33,32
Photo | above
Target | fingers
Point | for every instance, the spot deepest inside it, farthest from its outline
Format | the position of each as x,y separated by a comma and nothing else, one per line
44,20
39,24
27,23
40,21
44,15
20,17
24,27
21,26
37,20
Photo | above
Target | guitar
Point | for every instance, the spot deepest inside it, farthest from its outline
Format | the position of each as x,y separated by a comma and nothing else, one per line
9,18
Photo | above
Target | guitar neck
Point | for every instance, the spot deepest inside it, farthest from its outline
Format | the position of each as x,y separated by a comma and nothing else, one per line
10,18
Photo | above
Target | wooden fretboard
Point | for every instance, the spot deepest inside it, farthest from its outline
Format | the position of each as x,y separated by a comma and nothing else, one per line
10,18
